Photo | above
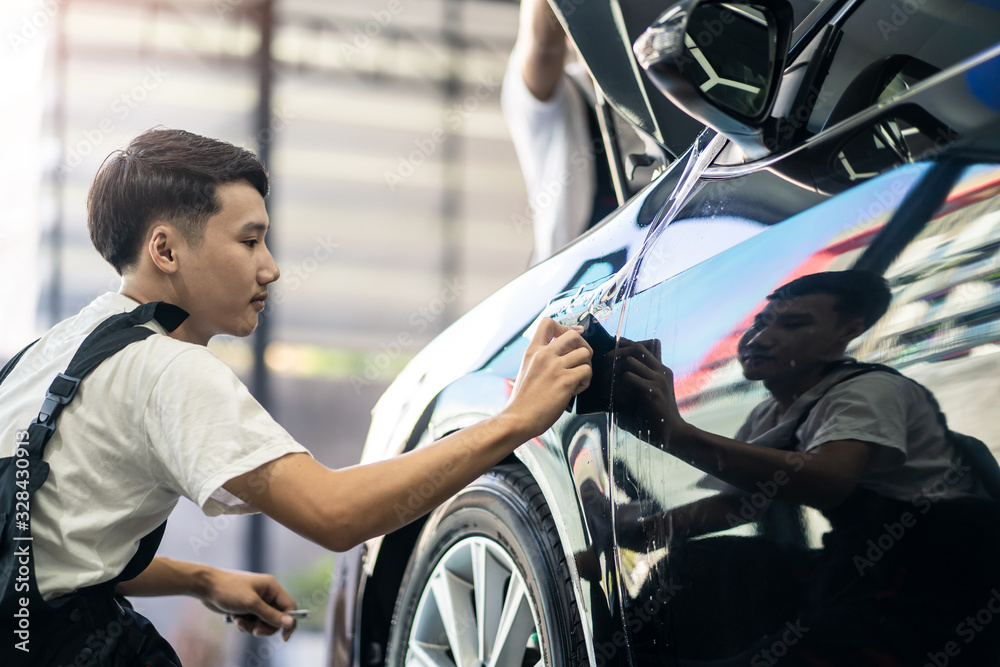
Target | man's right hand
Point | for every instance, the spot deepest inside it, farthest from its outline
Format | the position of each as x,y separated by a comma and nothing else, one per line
556,367
339,509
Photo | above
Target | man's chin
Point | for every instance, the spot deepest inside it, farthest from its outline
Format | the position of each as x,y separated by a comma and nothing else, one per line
245,326
755,372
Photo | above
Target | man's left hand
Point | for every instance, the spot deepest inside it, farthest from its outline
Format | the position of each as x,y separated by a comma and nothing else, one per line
254,601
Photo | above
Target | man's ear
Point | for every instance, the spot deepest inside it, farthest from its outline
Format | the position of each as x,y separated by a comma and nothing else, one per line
851,329
162,246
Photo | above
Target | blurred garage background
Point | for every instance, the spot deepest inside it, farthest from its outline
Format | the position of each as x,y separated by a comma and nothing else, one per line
397,204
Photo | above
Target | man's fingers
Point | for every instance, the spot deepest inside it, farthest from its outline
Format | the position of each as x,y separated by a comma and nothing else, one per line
546,331
637,367
576,357
582,375
277,596
568,341
638,383
272,616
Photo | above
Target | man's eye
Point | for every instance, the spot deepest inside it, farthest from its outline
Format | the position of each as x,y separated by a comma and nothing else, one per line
251,244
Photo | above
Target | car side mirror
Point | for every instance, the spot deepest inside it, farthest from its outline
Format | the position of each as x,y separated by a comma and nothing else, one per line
721,63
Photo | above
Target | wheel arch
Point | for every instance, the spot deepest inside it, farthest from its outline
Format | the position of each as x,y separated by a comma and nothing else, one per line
543,458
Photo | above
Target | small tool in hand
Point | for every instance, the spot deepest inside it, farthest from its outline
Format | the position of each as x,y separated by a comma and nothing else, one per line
294,613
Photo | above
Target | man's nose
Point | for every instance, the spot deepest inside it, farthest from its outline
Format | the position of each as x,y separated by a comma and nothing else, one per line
270,271
755,337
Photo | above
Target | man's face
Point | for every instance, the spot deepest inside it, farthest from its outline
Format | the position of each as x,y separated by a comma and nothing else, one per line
795,337
225,279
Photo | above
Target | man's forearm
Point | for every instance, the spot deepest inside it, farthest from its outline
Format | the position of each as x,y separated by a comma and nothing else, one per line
385,496
166,576
341,508
821,479
543,53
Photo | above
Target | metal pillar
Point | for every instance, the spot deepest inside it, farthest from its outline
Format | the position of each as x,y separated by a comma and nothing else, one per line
256,545
55,296
451,158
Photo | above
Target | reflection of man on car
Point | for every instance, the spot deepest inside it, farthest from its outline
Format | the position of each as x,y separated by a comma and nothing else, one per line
869,452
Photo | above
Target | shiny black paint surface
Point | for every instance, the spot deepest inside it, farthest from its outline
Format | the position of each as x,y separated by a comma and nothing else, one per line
693,281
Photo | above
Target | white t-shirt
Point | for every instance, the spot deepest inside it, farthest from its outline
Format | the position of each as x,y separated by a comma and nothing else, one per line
912,458
555,150
159,420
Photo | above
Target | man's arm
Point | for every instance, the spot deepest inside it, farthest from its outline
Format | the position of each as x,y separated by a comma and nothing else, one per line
339,509
541,50
821,478
255,601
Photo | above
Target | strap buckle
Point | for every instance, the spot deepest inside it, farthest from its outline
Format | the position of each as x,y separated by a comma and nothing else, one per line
61,392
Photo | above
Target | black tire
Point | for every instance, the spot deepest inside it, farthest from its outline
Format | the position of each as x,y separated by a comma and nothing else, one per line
501,518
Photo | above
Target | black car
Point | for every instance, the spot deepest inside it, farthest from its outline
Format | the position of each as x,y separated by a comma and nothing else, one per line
793,139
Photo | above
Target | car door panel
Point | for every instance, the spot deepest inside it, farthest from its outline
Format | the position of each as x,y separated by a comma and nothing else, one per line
695,317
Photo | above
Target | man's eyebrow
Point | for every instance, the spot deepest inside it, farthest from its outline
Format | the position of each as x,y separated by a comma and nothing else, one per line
763,318
255,227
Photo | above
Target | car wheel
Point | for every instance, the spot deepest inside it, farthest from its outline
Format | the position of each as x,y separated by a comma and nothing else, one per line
488,583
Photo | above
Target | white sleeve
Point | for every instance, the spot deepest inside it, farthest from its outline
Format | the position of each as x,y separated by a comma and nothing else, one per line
870,408
203,428
534,125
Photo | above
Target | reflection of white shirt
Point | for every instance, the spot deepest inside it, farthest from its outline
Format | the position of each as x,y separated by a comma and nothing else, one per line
911,457
159,420
554,148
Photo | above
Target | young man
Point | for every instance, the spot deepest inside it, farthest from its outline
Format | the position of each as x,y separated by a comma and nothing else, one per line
555,133
182,219
868,451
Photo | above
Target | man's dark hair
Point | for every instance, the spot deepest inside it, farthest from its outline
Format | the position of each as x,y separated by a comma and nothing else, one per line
163,174
861,294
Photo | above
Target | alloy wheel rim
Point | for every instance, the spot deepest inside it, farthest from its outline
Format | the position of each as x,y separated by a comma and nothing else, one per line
475,611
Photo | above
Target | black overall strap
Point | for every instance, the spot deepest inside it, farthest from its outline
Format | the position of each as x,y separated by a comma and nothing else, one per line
111,336
24,473
972,450
9,366
863,369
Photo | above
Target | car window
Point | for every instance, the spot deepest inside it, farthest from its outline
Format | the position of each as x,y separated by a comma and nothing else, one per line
721,214
717,593
889,45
